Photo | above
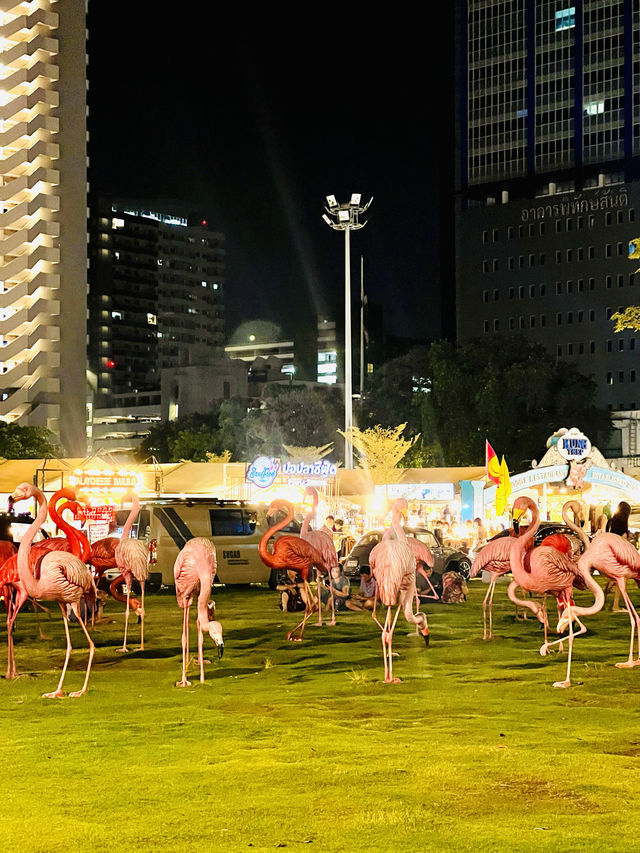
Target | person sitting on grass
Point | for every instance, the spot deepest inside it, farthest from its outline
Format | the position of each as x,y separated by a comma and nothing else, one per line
292,593
341,592
364,598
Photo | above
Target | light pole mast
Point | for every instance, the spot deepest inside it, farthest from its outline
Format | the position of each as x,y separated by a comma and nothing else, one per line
346,217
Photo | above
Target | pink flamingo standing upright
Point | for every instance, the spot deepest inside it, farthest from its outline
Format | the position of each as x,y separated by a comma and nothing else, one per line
14,590
63,577
545,570
322,540
132,558
291,552
194,571
393,565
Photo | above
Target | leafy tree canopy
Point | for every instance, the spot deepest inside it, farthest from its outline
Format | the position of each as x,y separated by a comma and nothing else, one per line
27,442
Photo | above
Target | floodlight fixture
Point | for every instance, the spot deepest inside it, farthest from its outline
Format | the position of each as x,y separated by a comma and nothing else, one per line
331,201
355,198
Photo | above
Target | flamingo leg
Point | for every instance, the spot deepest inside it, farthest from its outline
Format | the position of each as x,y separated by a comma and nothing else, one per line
124,648
488,602
57,694
92,650
388,638
635,623
567,681
200,650
332,603
185,647
142,586
293,635
12,612
37,606
319,591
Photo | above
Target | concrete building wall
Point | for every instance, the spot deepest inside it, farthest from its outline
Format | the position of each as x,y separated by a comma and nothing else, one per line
43,184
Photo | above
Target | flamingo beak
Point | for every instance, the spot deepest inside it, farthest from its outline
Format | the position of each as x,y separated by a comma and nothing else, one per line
220,650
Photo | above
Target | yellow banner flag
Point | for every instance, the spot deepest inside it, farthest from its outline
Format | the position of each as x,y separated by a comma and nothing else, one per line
503,489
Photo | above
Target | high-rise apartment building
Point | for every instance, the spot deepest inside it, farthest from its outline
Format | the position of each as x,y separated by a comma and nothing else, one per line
548,180
43,203
156,285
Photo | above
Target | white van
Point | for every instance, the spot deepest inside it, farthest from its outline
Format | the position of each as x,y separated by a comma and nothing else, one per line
234,527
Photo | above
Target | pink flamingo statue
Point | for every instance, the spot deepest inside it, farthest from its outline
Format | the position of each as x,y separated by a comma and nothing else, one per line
393,565
132,558
103,557
322,540
194,571
545,570
291,552
14,590
616,559
63,577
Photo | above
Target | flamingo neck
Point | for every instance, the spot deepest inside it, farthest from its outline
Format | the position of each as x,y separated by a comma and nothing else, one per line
133,514
598,593
73,536
524,541
24,573
265,556
576,529
398,529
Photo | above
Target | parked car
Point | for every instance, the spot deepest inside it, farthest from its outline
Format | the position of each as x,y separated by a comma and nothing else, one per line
445,558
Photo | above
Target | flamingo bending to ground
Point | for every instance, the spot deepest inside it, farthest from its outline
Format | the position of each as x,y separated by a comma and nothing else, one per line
393,565
194,571
616,559
291,552
63,577
494,559
322,540
545,570
132,558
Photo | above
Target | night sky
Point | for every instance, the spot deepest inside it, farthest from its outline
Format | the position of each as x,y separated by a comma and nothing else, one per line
255,126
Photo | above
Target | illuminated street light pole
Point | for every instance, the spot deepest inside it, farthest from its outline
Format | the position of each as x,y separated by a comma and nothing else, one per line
346,217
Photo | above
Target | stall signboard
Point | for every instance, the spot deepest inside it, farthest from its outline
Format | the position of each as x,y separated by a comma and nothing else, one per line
105,481
321,469
573,445
529,479
263,471
418,491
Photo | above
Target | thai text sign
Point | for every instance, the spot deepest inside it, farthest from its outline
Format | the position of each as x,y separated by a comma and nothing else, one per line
321,468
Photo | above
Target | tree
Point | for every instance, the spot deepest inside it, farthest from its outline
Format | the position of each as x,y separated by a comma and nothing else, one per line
508,391
380,449
298,418
308,454
27,442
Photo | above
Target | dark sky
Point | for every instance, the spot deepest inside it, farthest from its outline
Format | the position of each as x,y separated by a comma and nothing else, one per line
255,125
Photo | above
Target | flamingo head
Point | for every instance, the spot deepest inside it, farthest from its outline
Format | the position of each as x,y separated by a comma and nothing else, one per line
23,492
215,632
566,617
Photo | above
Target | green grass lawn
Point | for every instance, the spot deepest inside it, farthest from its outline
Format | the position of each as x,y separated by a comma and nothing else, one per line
300,746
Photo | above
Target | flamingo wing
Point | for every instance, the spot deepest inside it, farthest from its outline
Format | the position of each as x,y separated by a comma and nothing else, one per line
494,557
421,551
291,552
324,544
390,561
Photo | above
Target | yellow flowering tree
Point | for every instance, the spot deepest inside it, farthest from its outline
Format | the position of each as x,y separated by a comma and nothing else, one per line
380,449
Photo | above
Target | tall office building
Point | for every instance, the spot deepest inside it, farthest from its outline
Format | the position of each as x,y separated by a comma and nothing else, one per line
43,192
155,297
548,180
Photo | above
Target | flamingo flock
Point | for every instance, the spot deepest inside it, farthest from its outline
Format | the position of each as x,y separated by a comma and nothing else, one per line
65,569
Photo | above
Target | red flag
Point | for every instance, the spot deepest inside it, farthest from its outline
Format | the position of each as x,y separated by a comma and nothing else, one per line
492,464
